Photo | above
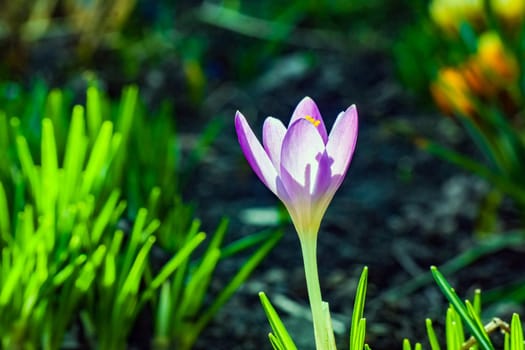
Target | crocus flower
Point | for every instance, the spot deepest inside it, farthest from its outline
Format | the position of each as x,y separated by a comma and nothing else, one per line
452,93
303,165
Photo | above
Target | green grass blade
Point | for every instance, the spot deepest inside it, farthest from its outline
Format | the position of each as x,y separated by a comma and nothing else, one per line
123,126
361,335
4,131
516,333
181,256
218,236
89,269
65,274
162,320
55,111
49,178
127,110
279,330
359,306
460,308
5,222
98,158
29,169
480,140
275,342
132,282
74,156
10,283
110,271
476,302
475,317
245,243
327,320
5,142
104,218
196,287
241,276
432,338
94,111
451,336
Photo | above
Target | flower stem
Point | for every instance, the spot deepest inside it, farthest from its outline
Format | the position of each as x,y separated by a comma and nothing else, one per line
321,331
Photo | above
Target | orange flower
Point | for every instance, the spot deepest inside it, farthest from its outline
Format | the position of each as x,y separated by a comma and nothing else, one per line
451,92
477,80
492,68
498,64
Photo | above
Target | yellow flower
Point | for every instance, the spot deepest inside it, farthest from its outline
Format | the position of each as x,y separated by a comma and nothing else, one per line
509,11
449,14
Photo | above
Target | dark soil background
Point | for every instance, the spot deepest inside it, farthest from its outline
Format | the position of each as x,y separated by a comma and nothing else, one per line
399,211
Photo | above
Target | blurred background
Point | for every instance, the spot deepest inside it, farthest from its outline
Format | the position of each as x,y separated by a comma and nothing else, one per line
437,178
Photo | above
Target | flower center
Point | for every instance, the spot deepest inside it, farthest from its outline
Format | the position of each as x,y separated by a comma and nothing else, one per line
311,119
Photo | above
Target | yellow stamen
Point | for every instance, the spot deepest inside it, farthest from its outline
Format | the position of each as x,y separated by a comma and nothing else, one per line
315,122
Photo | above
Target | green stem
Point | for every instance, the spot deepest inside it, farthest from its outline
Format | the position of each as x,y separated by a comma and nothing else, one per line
309,249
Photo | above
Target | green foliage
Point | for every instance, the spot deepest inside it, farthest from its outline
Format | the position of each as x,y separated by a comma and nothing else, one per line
70,252
358,327
280,338
468,314
182,309
50,253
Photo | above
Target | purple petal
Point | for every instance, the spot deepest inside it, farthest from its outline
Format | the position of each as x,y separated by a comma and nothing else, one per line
324,179
342,141
273,135
302,145
307,107
255,154
326,185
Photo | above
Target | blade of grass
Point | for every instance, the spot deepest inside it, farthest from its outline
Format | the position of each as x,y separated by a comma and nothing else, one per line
245,243
241,276
94,111
516,333
5,222
29,168
432,338
281,335
458,305
49,169
181,256
75,153
357,313
98,158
